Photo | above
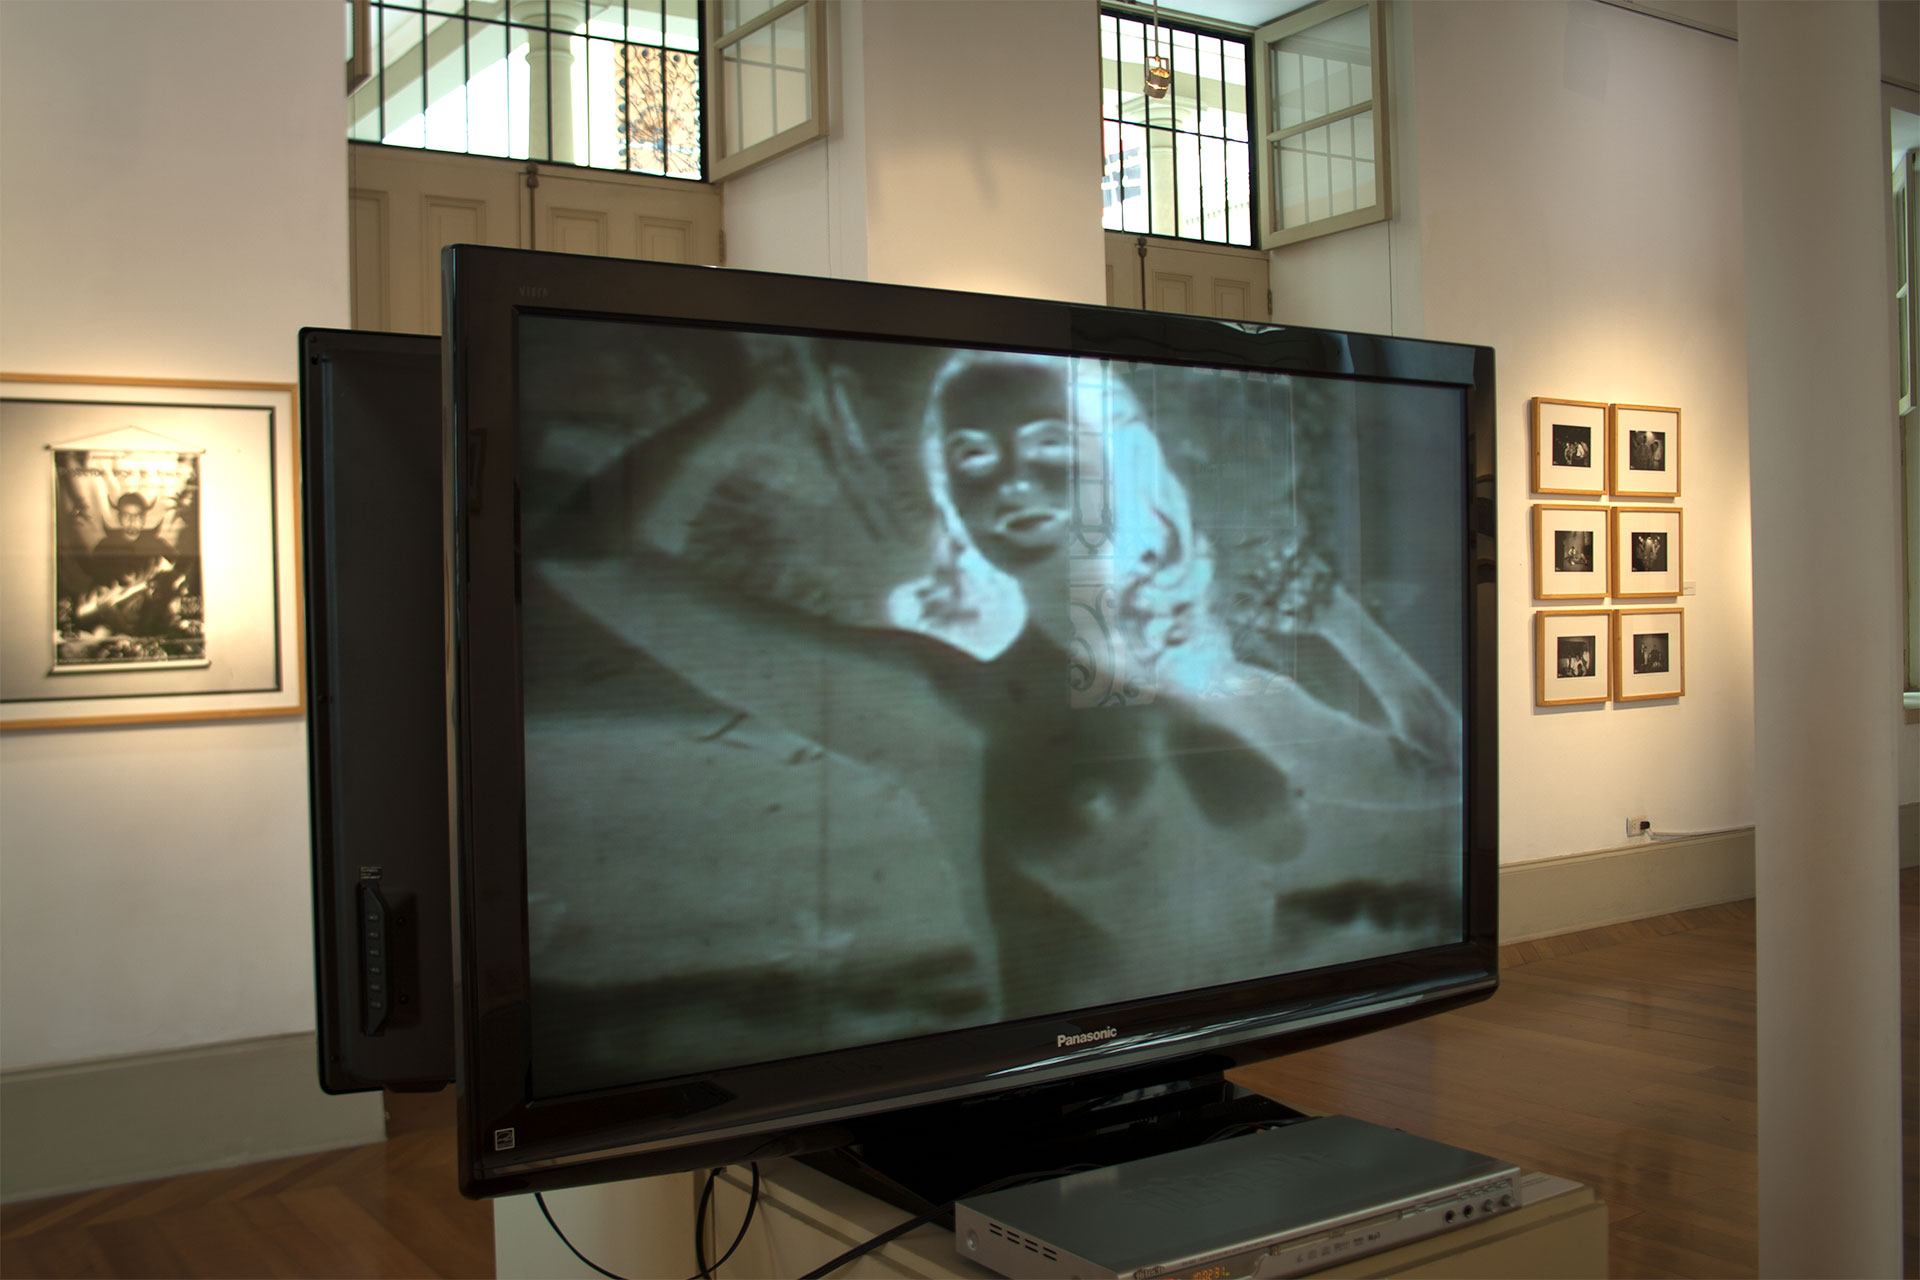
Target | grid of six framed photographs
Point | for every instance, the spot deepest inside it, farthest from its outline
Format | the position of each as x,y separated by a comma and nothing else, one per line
1590,551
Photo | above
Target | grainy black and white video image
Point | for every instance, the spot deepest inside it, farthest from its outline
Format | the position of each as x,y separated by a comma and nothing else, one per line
1573,550
875,690
1650,653
1646,450
1575,657
1572,445
1649,552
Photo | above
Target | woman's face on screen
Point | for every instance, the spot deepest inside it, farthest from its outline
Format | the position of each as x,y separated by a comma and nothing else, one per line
1008,449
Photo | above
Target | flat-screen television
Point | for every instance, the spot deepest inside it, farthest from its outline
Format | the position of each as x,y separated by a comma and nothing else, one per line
872,702
376,723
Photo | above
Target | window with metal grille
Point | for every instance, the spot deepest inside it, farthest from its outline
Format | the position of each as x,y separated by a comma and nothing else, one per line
1178,165
606,84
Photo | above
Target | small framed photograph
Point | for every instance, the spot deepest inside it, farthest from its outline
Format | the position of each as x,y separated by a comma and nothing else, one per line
1646,552
1570,552
1649,654
1643,451
152,566
1569,447
1573,656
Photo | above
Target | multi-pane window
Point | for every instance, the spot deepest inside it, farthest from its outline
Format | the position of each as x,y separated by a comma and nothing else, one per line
1178,165
771,90
608,84
1323,120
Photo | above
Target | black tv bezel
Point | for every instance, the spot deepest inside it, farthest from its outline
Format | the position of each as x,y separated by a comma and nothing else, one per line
511,1142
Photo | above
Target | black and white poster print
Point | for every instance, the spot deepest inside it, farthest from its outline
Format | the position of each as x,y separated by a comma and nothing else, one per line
152,553
1573,550
1644,453
1569,552
1569,447
1573,656
1647,551
128,593
1650,644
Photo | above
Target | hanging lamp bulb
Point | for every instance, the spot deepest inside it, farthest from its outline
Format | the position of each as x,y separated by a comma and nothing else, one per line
1159,79
1159,75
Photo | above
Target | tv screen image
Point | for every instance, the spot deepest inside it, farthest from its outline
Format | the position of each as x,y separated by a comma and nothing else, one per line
870,697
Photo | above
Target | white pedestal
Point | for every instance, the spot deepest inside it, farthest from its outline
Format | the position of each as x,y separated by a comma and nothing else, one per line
644,1229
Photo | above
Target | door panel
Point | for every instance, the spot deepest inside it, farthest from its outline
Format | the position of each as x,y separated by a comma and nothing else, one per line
404,206
1193,279
407,206
638,217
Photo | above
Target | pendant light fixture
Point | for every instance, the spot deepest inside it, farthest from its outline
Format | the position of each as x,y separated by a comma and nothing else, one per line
1159,76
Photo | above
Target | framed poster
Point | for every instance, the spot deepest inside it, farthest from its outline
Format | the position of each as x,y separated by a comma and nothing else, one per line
1573,656
149,557
1650,654
1643,451
1569,447
1646,552
1570,553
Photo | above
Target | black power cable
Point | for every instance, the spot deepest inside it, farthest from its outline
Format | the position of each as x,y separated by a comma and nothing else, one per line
699,1245
540,1198
894,1233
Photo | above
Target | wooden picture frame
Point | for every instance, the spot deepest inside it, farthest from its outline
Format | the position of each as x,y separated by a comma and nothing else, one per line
1649,654
1643,451
1573,656
1648,552
1569,447
152,565
1571,552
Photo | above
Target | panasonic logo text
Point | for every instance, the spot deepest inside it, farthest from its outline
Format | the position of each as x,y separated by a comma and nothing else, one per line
1089,1037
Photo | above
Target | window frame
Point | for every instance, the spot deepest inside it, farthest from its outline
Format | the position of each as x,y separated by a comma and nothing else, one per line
1195,25
1267,203
721,164
1906,282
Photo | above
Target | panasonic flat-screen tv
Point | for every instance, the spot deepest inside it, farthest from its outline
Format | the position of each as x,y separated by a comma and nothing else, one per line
872,702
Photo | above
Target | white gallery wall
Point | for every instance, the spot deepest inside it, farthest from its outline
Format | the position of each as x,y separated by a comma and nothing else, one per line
1580,212
964,154
1573,201
172,206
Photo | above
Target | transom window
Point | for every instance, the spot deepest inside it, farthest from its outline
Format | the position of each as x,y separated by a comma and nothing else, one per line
607,84
1179,165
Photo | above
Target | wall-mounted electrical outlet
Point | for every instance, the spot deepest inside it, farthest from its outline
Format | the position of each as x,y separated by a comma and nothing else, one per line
1638,825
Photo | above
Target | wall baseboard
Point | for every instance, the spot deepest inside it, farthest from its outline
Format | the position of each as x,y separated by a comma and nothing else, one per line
153,1115
1589,890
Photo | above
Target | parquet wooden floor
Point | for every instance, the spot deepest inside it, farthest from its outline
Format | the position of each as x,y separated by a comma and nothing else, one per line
387,1209
1622,1057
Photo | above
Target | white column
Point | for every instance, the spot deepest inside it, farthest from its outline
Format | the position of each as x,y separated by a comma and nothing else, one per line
550,76
1826,537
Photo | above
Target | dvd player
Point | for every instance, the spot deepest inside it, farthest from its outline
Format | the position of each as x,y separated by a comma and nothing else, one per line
1281,1202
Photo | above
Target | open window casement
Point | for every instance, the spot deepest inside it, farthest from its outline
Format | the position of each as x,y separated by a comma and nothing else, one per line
767,86
1322,94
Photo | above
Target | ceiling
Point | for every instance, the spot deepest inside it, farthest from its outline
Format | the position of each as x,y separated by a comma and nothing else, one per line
1241,13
